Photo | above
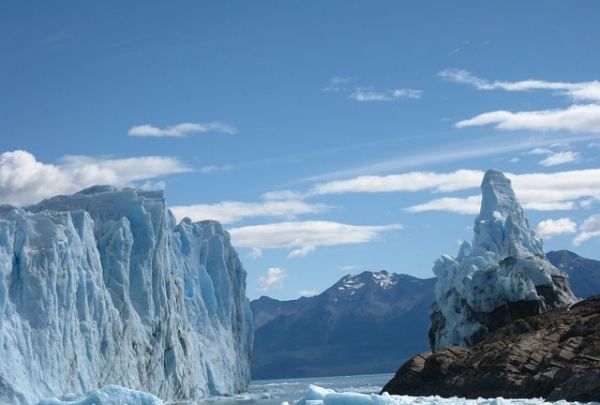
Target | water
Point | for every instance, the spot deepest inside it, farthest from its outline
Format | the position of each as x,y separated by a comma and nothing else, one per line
274,392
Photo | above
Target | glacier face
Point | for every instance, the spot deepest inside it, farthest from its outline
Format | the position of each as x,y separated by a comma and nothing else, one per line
103,287
502,275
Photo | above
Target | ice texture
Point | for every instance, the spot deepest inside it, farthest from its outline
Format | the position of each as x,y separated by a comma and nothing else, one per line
103,287
323,396
108,395
502,275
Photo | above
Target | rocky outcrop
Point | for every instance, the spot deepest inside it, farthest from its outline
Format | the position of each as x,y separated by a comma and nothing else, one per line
555,355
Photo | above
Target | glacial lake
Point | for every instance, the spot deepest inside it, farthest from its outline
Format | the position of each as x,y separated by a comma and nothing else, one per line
274,392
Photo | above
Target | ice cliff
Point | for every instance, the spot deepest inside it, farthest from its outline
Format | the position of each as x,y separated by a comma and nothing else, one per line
502,275
103,287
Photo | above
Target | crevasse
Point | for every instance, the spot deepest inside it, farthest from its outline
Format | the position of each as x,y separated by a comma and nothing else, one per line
103,287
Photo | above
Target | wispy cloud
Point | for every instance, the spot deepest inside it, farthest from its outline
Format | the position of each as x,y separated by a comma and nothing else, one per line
25,180
181,130
303,251
590,228
307,293
255,253
228,212
215,169
273,278
454,152
540,151
576,118
282,195
469,205
559,158
589,91
303,237
337,83
411,181
369,94
553,227
537,191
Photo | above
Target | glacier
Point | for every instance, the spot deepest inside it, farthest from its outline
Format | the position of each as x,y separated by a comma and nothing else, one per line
104,287
502,275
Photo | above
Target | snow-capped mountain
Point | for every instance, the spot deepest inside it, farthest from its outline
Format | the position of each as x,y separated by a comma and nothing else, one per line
584,274
283,320
502,275
365,323
103,287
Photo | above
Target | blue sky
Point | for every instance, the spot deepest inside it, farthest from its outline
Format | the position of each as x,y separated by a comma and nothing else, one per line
227,104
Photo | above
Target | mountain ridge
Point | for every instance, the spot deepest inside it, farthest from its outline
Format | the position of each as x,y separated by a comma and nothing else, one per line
288,309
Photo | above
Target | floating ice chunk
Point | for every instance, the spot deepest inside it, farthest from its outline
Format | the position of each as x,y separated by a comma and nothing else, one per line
322,396
109,395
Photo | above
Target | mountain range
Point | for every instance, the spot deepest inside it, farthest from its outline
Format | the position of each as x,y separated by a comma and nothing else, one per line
366,323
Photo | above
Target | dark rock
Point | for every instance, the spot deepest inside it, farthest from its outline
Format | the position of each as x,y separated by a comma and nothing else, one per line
555,355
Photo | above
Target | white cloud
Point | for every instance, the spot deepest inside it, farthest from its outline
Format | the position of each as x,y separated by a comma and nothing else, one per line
537,191
590,228
549,206
576,91
228,212
303,251
560,158
307,293
336,84
576,118
595,145
214,169
411,181
181,130
540,151
255,253
350,267
553,227
303,237
368,94
282,195
469,205
25,180
273,278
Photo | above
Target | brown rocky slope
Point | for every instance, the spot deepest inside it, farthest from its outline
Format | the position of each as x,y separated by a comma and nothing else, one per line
555,355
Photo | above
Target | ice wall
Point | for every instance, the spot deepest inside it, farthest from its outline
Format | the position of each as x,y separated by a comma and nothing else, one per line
502,275
103,287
